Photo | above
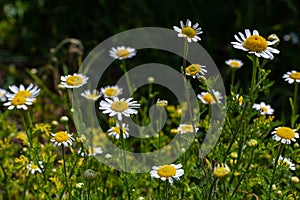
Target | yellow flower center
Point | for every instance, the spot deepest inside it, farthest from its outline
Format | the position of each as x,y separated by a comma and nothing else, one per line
117,130
256,43
18,100
111,92
208,98
74,80
92,96
166,171
263,109
119,106
189,31
122,53
23,93
221,171
235,64
61,136
283,163
193,69
34,166
187,128
285,133
295,75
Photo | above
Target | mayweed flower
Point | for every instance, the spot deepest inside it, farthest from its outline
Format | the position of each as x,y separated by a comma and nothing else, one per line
187,128
169,172
91,95
285,134
234,63
116,131
122,52
263,108
162,103
255,44
285,162
79,185
221,171
90,151
239,98
2,95
33,168
19,102
62,138
292,77
119,107
74,81
111,91
195,70
207,98
189,32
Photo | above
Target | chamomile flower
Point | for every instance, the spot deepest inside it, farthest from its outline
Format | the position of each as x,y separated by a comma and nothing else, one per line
111,91
122,52
2,95
167,172
285,162
195,70
161,103
73,81
285,134
187,128
263,108
19,102
234,63
116,131
292,76
90,151
91,95
188,31
33,168
207,98
221,171
119,107
62,138
255,44
32,91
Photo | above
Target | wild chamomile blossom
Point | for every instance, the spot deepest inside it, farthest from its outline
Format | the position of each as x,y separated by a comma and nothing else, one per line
91,95
73,81
195,70
119,107
187,128
207,98
255,44
2,95
221,171
263,108
19,102
33,168
234,63
161,103
285,134
122,52
111,91
188,31
169,172
62,138
32,91
285,162
292,76
115,131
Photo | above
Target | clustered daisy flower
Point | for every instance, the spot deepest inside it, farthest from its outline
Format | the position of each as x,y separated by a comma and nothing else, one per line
187,128
285,162
33,168
292,76
263,108
167,172
116,131
111,91
207,98
285,134
122,52
195,70
255,44
188,31
74,81
234,63
62,138
91,95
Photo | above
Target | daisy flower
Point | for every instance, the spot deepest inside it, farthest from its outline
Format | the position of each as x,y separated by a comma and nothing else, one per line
234,63
19,102
186,128
239,98
195,70
91,95
221,171
116,131
162,103
292,77
111,91
33,168
285,162
73,81
169,172
263,108
207,98
62,138
285,134
2,95
255,44
32,91
90,151
119,107
122,52
189,32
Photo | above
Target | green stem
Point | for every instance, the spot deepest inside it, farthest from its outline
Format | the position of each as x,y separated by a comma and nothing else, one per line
295,106
212,188
232,77
255,62
89,189
65,169
123,68
25,187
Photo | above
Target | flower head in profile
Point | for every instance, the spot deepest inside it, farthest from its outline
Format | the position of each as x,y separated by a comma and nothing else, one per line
62,138
292,76
33,168
161,103
167,172
111,91
221,171
255,44
90,151
263,108
187,128
93,95
115,131
207,98
188,31
285,162
74,81
195,70
2,95
122,52
285,134
119,107
234,63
